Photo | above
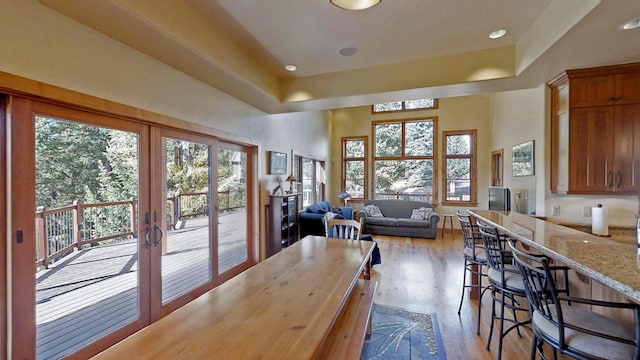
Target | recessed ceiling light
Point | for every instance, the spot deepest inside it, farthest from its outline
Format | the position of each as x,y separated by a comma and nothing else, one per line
498,34
631,24
348,51
355,4
290,67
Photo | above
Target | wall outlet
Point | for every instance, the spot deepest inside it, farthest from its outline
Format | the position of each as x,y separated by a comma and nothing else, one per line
555,210
586,211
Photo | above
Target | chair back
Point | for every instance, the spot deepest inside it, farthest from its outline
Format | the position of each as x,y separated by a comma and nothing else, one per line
343,229
470,234
494,244
542,293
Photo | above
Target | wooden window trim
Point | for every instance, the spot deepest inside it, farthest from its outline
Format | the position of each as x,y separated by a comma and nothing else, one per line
473,183
344,159
374,157
404,109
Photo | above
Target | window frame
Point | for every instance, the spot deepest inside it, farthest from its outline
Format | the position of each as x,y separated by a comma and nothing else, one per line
404,107
473,156
364,159
317,182
403,156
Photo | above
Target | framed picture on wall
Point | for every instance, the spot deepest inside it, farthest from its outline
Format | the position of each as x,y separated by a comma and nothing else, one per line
523,159
277,163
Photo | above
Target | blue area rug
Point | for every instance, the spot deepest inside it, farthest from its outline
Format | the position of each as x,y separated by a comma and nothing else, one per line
401,334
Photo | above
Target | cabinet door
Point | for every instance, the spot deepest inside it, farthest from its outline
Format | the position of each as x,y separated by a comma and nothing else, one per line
591,132
628,88
627,149
592,91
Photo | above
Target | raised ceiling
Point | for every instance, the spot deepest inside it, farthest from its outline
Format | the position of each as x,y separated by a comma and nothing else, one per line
405,48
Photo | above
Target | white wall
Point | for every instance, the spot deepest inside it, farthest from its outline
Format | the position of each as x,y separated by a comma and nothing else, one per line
522,115
519,116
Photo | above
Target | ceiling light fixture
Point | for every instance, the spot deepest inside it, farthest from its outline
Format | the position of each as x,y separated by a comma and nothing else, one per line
631,24
498,34
355,4
290,67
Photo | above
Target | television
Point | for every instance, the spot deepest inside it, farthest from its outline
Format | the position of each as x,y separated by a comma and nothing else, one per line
499,198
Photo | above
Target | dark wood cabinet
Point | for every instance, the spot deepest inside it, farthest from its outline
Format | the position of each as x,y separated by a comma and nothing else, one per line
283,222
595,131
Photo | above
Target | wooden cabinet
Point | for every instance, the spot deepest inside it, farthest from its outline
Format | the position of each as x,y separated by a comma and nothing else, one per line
595,131
618,89
283,222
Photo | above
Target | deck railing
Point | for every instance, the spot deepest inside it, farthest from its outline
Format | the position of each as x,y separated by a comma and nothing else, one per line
60,231
427,197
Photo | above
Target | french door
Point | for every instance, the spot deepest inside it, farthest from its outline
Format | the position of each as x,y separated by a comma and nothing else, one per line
125,221
204,200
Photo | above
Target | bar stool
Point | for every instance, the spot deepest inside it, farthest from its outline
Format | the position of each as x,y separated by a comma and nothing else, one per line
507,284
475,259
444,223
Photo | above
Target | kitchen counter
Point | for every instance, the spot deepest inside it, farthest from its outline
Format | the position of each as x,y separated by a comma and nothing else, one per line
612,261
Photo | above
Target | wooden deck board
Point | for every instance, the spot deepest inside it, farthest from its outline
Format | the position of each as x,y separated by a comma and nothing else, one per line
92,292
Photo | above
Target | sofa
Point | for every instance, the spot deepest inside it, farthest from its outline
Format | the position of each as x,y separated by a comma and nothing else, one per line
311,219
394,217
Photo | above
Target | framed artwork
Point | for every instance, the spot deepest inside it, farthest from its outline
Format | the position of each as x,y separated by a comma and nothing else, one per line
523,159
277,163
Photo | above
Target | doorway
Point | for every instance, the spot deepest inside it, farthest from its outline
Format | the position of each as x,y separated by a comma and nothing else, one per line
126,228
497,157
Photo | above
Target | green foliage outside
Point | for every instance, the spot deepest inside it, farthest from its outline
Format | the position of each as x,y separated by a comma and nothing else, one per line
93,164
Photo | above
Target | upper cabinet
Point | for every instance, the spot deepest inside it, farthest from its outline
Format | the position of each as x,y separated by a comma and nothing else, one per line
604,90
595,131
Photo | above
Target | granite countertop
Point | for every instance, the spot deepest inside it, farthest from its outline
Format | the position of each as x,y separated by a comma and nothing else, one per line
613,261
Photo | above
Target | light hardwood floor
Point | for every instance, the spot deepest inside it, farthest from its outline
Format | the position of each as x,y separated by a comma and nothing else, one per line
426,276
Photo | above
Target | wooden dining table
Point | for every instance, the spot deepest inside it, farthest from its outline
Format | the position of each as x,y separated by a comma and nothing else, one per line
281,308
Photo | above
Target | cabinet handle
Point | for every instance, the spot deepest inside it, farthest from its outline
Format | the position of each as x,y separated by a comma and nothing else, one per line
619,173
615,98
610,179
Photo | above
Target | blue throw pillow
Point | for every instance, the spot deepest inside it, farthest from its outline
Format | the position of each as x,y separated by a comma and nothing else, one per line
313,208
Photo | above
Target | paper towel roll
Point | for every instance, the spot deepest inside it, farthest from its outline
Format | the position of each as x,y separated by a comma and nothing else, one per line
599,224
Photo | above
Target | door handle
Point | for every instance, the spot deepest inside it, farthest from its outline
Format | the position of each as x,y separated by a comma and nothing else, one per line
610,179
619,173
156,228
147,230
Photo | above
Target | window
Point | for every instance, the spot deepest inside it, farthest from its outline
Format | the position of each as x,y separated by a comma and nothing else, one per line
354,166
404,159
313,180
407,105
460,167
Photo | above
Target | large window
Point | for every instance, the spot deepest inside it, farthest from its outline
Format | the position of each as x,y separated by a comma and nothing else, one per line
407,105
459,167
404,159
354,166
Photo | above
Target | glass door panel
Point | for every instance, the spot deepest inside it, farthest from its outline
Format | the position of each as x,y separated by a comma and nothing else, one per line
186,252
86,233
232,208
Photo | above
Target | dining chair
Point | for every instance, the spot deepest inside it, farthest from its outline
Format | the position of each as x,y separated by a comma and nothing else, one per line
507,286
475,259
577,332
343,229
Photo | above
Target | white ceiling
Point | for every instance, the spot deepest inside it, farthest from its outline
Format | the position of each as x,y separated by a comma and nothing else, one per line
309,33
406,48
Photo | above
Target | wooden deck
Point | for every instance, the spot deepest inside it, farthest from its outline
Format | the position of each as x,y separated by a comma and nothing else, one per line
92,292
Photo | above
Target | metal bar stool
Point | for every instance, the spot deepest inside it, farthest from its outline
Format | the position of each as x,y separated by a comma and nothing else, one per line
475,259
